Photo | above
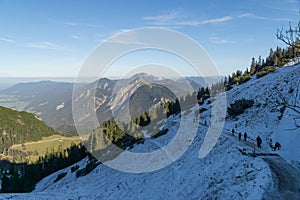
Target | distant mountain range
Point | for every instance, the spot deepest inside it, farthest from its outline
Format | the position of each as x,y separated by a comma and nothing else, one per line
7,82
52,101
45,99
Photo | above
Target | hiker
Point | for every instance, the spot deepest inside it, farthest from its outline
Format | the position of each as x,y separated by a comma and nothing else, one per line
232,131
245,136
258,141
277,146
240,135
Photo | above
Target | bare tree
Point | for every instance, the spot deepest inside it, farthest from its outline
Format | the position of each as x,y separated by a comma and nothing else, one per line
293,105
290,36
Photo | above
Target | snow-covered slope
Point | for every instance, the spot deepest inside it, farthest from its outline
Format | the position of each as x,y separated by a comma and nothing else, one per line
289,136
263,119
224,174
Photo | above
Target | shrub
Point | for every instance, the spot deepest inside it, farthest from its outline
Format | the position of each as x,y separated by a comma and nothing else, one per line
282,62
201,110
265,71
270,68
74,168
239,106
228,87
242,79
160,133
261,74
60,176
90,166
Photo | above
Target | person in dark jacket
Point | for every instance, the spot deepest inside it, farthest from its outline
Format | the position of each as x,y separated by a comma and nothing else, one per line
277,146
258,141
245,136
232,131
240,135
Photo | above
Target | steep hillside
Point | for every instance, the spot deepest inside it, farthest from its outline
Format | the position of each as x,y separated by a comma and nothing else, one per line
232,170
19,127
228,172
221,174
269,109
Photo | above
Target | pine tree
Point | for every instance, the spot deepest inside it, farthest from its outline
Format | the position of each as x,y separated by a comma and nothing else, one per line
238,73
5,183
253,66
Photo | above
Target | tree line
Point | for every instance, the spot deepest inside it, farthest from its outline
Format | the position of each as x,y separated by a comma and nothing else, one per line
277,57
22,177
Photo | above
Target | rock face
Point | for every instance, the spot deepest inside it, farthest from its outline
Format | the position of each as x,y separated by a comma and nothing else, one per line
52,101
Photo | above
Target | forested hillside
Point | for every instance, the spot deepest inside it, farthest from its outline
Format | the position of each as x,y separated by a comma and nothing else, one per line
19,127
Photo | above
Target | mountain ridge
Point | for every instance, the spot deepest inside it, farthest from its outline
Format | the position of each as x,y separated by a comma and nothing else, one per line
56,110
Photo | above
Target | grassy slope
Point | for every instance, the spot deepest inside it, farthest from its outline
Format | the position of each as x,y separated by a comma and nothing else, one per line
18,127
33,150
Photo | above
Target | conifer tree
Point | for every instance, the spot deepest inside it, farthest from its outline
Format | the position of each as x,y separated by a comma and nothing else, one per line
253,66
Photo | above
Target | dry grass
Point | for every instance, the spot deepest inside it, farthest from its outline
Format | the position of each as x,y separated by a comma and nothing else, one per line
53,143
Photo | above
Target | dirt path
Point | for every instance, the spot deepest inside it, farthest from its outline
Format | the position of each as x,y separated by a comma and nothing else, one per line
288,178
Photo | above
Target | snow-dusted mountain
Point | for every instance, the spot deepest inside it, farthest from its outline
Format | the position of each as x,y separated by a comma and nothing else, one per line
232,170
56,110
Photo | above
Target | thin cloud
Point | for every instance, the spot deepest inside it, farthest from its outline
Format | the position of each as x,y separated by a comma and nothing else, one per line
253,16
81,24
165,19
75,37
44,45
177,19
217,40
6,40
127,37
209,21
284,9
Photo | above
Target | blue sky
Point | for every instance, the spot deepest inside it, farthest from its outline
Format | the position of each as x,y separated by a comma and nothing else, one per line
52,38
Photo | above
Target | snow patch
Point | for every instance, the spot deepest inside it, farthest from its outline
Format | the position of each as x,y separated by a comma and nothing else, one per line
60,106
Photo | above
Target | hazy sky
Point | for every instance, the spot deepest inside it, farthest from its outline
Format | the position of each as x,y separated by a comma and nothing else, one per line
53,38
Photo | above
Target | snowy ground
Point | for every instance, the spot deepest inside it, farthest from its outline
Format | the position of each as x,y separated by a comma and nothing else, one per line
263,118
289,137
224,174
